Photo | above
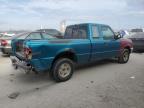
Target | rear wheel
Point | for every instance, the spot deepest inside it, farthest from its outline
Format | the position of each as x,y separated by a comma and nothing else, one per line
124,57
63,69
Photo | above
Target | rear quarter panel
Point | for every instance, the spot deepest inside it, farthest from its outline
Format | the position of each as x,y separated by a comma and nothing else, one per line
44,51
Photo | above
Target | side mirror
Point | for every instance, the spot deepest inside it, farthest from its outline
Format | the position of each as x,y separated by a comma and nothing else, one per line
118,35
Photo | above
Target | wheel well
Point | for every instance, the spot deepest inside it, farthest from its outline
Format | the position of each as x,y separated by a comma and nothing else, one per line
128,48
67,54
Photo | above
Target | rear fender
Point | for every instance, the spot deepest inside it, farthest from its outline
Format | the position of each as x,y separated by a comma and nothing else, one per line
63,51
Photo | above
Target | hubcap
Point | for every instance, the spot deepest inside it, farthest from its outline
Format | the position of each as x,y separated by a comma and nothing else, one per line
64,70
126,56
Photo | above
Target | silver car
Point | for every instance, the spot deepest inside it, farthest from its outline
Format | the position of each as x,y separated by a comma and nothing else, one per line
5,44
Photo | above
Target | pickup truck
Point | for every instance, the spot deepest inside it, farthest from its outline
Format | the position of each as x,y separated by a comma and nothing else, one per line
82,43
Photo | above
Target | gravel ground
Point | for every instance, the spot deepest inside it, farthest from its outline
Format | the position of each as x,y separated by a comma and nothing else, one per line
104,84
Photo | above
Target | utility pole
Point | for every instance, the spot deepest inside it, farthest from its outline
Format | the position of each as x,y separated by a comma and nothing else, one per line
62,26
41,27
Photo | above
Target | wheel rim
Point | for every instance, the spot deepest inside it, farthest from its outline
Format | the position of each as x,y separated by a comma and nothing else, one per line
64,70
126,56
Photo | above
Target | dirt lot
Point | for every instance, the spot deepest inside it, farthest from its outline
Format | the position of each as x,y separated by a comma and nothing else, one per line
105,84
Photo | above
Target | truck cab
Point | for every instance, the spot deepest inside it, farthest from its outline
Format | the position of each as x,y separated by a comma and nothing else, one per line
104,43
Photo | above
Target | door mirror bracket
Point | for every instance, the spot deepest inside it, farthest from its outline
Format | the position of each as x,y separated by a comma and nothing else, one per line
118,35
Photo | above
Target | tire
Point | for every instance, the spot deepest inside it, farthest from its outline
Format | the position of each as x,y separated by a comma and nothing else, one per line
62,69
124,57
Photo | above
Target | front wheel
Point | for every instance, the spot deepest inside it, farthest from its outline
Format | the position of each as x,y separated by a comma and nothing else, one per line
124,57
63,69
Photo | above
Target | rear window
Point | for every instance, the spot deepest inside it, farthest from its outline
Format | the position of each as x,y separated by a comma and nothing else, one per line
47,36
22,36
34,36
52,32
76,32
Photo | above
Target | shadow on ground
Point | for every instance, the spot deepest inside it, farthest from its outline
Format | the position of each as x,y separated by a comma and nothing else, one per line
33,78
96,64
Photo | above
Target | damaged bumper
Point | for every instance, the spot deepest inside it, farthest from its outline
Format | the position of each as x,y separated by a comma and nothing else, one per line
17,63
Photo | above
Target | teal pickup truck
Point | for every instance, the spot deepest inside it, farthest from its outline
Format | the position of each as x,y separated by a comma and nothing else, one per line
82,43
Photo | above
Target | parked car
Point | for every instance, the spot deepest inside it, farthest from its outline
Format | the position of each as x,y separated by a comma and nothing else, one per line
137,30
138,41
52,32
5,44
1,35
82,43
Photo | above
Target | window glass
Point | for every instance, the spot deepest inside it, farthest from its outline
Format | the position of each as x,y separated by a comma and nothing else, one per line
47,36
68,33
107,32
76,32
95,32
22,36
34,36
53,32
82,32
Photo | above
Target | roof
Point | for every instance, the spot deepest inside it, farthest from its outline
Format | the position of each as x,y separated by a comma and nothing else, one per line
87,24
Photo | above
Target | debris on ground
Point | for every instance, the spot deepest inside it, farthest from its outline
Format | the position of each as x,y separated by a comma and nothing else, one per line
14,95
132,77
11,80
11,74
37,88
92,81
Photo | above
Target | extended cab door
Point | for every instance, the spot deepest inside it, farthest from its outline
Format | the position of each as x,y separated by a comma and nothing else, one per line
97,42
80,42
111,45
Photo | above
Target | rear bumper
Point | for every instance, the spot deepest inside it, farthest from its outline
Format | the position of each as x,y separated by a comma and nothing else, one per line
5,50
36,64
17,63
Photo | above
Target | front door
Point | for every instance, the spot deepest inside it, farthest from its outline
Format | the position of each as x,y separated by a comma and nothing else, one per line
111,45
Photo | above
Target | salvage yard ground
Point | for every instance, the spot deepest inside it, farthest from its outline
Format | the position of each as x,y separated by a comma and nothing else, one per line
105,84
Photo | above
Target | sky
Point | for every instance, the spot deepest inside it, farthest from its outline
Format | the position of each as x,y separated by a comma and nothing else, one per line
31,14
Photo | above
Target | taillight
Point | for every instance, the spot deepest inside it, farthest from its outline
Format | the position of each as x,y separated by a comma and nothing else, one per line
4,42
28,53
